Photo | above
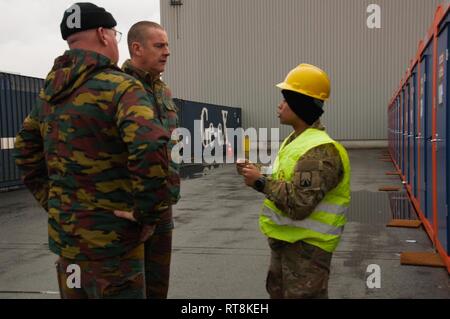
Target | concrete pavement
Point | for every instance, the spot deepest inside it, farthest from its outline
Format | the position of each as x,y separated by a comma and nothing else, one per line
219,251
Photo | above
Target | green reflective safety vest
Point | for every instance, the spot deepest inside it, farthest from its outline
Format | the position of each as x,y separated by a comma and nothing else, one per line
324,226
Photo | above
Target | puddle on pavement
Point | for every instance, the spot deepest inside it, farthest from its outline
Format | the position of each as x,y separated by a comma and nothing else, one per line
401,207
378,208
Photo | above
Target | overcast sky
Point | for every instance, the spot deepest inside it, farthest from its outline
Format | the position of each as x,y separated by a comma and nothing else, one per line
30,38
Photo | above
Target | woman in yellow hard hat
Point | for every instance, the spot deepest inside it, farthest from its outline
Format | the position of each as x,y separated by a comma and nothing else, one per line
307,194
305,89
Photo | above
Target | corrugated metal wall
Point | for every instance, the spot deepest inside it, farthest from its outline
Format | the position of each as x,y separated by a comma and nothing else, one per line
233,52
17,98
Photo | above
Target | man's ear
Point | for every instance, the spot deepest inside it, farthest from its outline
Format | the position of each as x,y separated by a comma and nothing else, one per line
136,48
101,35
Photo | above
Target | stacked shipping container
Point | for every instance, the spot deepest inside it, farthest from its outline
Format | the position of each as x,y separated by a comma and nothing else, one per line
18,95
17,98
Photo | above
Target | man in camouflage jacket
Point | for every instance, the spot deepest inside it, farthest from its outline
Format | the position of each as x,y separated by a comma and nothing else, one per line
93,145
149,51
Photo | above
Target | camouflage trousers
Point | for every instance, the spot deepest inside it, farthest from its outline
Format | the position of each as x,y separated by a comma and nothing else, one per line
158,251
112,278
297,271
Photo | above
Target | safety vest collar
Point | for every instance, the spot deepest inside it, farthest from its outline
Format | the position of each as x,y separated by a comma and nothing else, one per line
289,154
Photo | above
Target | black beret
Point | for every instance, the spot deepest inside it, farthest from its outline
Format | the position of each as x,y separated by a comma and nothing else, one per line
83,16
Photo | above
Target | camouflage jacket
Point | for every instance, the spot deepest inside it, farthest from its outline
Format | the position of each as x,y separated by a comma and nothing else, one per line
161,99
316,173
93,144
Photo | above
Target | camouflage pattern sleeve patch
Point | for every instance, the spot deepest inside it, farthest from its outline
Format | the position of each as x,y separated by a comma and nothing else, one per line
316,173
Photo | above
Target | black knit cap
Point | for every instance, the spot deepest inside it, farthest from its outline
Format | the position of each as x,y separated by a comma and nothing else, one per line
83,16
307,108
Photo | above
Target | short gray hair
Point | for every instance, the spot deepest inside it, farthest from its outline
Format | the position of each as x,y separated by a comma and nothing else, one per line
137,32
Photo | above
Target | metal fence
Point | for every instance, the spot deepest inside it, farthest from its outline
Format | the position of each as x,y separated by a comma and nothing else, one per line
419,134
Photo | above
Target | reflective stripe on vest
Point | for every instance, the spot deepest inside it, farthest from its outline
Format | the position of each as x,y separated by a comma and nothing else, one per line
332,209
305,223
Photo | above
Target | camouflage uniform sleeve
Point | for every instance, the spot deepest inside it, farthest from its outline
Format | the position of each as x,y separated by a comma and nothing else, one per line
146,140
30,159
316,173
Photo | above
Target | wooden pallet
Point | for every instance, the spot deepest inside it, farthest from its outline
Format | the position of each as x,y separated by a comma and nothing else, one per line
393,173
389,189
421,259
405,223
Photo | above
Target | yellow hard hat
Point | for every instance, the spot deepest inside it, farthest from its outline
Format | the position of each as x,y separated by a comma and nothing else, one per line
309,80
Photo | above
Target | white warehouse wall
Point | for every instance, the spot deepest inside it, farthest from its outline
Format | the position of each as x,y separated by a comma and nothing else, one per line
233,52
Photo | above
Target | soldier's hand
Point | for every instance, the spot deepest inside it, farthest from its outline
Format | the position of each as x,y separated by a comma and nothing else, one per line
125,215
251,174
240,164
147,232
